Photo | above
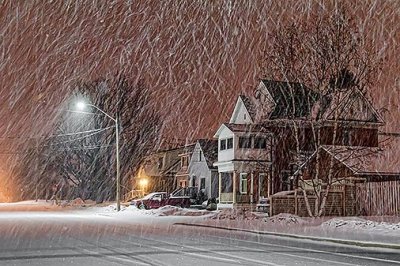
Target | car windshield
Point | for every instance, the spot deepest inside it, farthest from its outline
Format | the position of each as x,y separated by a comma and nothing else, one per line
151,195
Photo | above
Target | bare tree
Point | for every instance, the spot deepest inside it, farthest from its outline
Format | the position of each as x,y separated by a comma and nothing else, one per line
80,156
326,54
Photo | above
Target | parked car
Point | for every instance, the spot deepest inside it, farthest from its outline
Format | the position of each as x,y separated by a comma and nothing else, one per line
158,199
180,201
151,201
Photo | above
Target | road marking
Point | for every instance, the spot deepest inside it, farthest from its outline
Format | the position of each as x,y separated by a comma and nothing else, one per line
111,258
314,250
179,251
290,255
259,262
130,259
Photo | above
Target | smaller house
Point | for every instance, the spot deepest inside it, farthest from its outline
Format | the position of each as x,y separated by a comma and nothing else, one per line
203,176
159,171
182,176
369,176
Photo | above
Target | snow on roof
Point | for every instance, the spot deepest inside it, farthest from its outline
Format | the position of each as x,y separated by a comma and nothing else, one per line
248,128
210,151
384,160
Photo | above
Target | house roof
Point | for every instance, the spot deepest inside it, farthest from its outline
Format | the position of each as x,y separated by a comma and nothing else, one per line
384,160
293,100
351,105
210,151
248,128
250,105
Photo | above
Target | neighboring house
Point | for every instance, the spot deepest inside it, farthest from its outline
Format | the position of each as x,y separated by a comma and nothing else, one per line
273,132
372,173
203,176
159,169
182,175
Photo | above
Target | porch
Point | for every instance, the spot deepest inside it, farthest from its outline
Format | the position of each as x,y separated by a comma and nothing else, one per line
243,189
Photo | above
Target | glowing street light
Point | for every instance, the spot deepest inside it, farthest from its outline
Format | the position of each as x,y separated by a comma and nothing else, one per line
81,106
143,183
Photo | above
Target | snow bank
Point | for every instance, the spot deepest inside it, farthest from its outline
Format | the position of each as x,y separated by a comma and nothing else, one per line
235,214
285,219
176,211
361,224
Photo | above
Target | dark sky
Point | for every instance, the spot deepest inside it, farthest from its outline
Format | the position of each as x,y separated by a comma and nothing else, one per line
196,56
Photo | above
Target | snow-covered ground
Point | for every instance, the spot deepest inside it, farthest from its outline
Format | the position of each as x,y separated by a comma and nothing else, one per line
382,229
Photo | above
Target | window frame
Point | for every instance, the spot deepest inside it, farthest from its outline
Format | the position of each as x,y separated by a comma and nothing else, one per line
243,177
202,183
242,141
229,141
264,140
222,144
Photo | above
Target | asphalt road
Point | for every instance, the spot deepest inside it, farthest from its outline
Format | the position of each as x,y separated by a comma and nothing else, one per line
62,239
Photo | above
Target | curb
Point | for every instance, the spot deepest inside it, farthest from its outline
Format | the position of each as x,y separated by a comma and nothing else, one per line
320,239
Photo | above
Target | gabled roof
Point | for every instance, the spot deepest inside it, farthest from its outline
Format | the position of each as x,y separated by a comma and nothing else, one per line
369,160
250,106
210,151
293,100
351,105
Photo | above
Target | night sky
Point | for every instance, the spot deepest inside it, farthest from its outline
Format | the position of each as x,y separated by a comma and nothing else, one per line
196,56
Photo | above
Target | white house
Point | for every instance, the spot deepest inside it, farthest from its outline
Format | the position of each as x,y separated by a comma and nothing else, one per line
203,176
244,161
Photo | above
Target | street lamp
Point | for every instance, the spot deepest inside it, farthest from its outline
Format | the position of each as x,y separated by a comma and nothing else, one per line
143,183
81,106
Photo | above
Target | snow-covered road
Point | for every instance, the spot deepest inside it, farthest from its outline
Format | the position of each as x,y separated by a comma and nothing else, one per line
95,237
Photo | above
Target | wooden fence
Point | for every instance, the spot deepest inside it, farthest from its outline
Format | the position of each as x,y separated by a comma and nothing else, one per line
378,198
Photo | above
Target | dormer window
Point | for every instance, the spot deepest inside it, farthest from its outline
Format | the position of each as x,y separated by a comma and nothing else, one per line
226,144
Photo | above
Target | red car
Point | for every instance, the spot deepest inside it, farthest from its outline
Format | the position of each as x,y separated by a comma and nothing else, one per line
158,199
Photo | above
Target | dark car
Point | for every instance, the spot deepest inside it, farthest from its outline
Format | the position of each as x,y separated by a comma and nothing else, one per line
158,199
180,201
151,201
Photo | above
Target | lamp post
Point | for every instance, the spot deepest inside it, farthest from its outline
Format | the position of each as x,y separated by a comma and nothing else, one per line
81,106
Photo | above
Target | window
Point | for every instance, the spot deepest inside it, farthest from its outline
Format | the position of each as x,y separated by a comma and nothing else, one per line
244,116
182,183
229,143
202,183
245,142
222,144
226,183
184,161
193,181
346,137
243,183
260,143
200,155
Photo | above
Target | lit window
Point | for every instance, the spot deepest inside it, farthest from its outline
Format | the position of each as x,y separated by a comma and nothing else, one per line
243,183
184,161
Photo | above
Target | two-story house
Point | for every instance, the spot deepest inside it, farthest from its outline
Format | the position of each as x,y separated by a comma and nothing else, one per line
203,175
274,131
